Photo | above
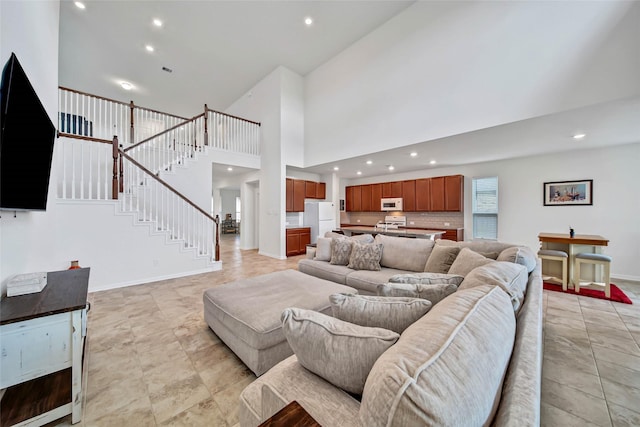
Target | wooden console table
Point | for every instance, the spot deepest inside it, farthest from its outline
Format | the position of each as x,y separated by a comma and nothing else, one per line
42,337
572,246
292,415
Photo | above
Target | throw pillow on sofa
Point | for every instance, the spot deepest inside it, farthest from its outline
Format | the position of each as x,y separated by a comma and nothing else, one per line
441,259
340,352
404,254
512,278
392,313
466,261
365,256
522,255
427,278
434,293
340,251
323,249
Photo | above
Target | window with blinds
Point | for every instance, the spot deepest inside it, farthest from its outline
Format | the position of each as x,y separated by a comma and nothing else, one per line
485,208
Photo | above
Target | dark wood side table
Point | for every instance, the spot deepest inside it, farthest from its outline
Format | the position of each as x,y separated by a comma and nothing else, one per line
41,339
292,415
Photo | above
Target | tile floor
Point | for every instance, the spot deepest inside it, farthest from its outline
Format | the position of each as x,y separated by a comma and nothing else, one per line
153,361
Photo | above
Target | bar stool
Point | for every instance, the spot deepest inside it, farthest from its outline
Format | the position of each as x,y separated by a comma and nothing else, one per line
551,255
595,259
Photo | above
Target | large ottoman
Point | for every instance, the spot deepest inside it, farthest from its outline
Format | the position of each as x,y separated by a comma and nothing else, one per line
246,314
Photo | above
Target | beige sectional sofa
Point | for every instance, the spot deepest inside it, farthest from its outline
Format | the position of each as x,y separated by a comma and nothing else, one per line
473,359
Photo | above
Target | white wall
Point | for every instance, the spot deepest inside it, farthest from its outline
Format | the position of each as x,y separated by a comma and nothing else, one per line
30,29
522,216
445,68
228,202
292,118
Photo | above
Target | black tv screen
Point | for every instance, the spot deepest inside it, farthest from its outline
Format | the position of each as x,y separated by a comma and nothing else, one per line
26,142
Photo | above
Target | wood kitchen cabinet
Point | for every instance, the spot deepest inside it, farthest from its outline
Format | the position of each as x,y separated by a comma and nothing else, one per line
437,194
376,196
299,192
357,198
392,189
348,195
297,240
365,198
289,198
321,190
453,190
310,189
423,194
409,195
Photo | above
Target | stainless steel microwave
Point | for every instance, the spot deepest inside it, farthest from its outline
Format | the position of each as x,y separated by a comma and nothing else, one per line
391,204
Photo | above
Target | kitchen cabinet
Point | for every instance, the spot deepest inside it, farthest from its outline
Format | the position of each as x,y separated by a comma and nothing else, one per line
453,190
357,198
376,196
409,195
299,192
423,194
348,195
310,189
455,234
289,198
437,194
365,198
392,189
321,191
297,240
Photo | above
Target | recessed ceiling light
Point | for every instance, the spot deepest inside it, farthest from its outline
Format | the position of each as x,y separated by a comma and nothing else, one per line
432,162
391,167
335,168
229,168
413,154
369,162
308,21
579,136
80,5
359,172
126,85
149,48
157,22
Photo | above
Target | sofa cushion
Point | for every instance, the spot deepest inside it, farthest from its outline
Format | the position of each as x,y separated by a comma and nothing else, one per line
404,254
323,249
362,238
441,259
432,292
368,281
340,352
325,270
392,313
447,368
511,278
365,256
466,261
427,278
340,251
522,255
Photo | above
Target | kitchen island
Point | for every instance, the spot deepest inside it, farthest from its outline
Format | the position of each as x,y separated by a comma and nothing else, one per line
398,232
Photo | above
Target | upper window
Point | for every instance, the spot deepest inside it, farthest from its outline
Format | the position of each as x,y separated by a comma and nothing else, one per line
485,208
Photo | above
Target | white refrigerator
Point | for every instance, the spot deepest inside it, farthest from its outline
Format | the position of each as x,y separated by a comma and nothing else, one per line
321,217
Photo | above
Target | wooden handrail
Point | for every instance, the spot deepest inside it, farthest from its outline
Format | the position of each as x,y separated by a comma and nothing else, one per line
173,190
86,138
79,92
163,132
233,117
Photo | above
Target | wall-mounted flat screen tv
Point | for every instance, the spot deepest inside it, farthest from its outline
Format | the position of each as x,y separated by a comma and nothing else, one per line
26,142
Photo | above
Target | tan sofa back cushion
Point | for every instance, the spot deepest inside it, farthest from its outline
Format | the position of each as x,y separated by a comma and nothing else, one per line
511,278
447,368
404,254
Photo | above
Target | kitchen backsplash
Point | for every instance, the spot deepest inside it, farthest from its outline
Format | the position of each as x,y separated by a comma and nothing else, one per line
420,219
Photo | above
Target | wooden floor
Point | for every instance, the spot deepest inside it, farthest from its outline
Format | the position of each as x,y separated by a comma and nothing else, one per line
153,361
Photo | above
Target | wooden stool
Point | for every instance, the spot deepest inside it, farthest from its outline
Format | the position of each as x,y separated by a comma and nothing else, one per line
595,259
551,255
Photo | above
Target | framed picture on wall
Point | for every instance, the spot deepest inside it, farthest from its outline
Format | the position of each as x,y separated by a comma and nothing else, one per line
568,193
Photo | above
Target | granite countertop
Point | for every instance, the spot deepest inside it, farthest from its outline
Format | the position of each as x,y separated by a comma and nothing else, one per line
417,232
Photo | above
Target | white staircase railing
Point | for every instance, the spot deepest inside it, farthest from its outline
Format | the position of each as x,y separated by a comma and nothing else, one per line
84,170
232,133
157,203
170,147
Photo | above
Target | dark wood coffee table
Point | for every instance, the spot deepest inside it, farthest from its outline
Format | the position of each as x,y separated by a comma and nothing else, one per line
292,415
